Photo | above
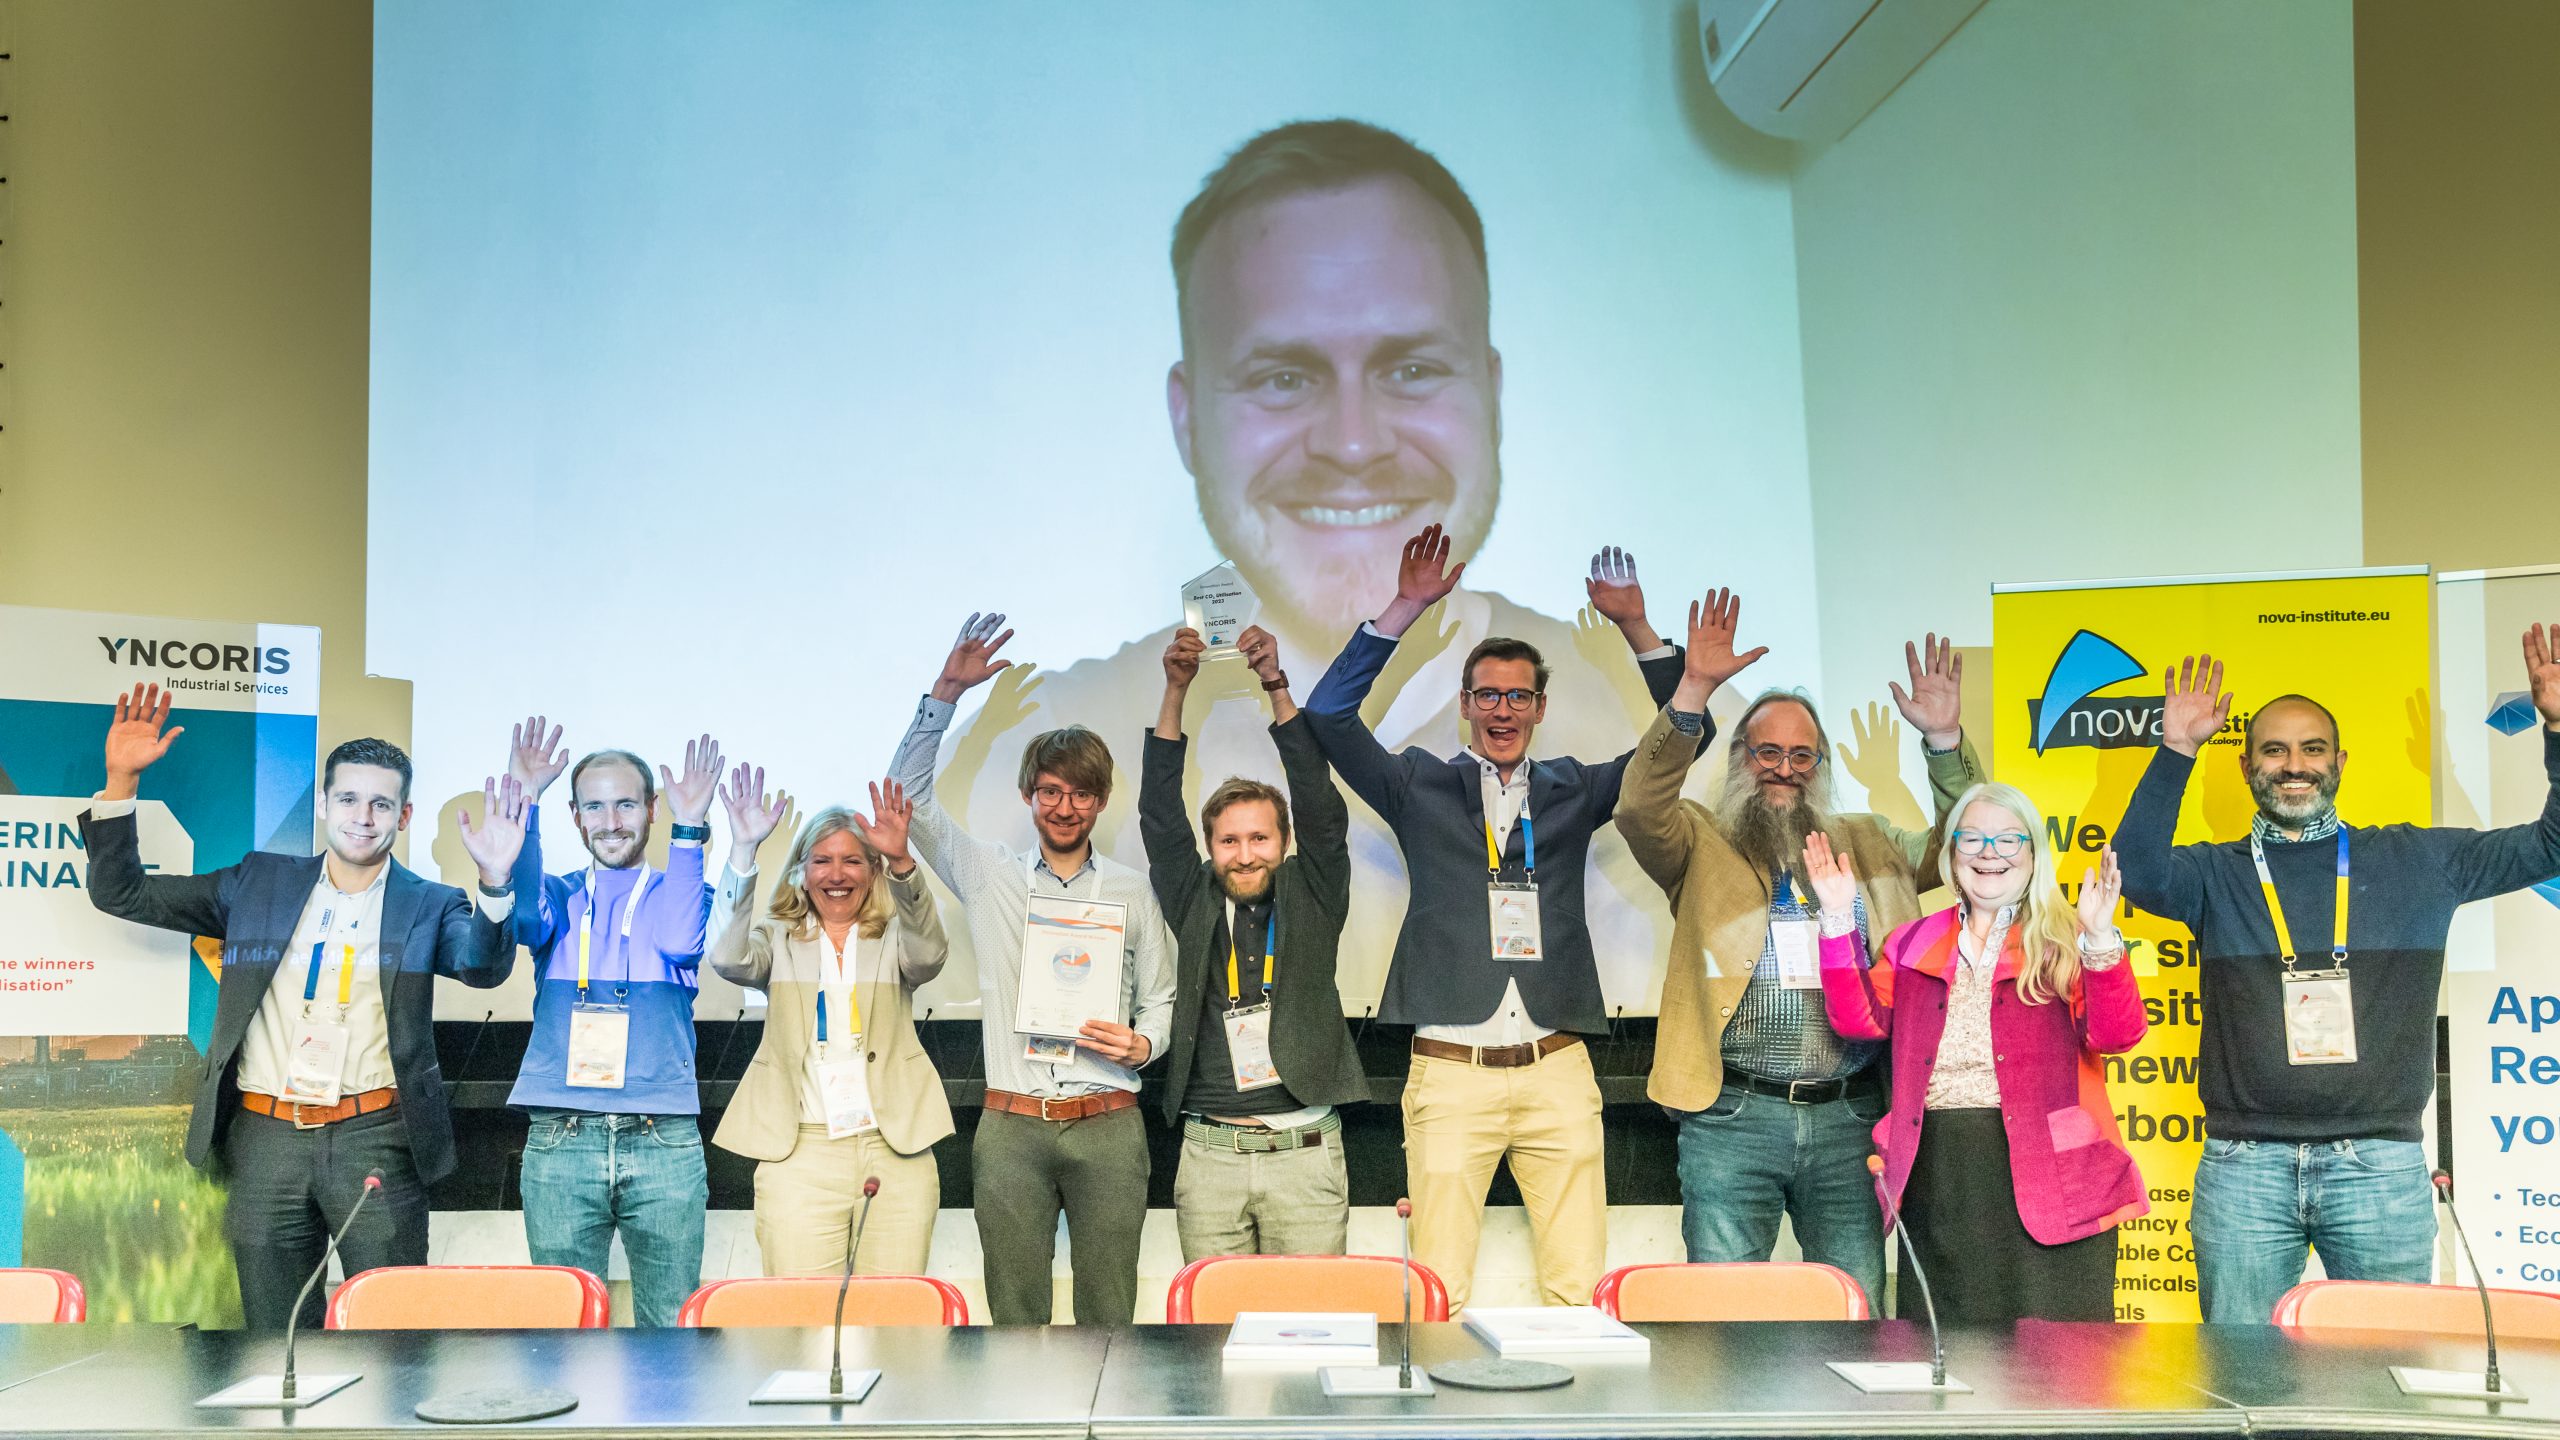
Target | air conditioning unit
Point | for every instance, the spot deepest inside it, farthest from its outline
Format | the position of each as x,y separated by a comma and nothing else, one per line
1808,70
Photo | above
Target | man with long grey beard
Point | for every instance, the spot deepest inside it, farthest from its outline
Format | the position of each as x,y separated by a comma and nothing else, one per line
1774,1107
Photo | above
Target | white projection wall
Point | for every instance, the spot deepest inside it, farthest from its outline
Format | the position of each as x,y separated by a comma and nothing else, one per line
725,357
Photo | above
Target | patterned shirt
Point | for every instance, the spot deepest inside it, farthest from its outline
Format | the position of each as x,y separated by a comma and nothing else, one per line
2323,827
1963,1078
1782,1034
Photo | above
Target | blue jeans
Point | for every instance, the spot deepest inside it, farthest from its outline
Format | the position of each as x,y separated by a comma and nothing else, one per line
586,1176
1748,1159
2368,1206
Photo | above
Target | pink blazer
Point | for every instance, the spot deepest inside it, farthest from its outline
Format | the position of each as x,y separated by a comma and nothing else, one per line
2069,1166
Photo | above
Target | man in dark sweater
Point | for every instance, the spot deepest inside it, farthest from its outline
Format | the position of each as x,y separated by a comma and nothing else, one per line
1260,1051
2317,1052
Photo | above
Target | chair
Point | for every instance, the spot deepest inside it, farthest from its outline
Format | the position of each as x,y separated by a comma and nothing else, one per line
806,1300
1211,1291
42,1297
2429,1309
471,1297
1770,1290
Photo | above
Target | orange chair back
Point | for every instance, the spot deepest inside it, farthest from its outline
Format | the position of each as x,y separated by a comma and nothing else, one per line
1212,1291
42,1297
2427,1309
806,1300
1775,1290
471,1297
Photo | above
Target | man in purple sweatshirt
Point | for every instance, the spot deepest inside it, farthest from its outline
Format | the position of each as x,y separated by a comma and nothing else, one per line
609,1075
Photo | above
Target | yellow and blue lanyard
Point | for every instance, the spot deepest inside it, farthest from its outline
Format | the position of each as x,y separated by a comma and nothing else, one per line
346,969
2275,906
1270,950
587,927
1528,846
844,977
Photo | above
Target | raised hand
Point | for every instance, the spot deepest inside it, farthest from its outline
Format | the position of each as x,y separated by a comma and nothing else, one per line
536,757
1711,657
1615,592
1420,581
134,740
1828,875
2542,672
2100,889
2192,704
1261,652
689,795
1182,658
751,816
973,659
886,829
499,838
1934,705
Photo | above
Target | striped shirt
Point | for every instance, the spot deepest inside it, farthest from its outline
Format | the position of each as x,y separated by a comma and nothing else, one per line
995,885
1782,1034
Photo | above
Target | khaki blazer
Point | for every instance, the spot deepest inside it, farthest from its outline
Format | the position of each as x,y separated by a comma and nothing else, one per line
761,953
1720,901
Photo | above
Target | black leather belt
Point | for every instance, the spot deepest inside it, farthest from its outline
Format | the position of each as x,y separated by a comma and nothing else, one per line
1804,1092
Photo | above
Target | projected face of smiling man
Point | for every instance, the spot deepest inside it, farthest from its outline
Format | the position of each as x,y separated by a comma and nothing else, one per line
1338,388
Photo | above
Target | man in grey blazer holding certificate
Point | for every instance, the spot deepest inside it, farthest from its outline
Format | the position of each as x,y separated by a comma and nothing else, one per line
840,1089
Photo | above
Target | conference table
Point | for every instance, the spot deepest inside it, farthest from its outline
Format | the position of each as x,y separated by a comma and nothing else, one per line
1168,1383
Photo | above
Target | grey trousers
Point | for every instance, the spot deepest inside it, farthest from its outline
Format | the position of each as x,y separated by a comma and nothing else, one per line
1027,1170
1280,1202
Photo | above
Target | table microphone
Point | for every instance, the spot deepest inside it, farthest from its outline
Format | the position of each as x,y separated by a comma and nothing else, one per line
1895,1377
1396,1379
2488,1326
835,1370
1404,1361
293,1322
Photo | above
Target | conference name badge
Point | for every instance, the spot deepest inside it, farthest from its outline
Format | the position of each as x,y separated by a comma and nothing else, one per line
2319,1018
319,1056
1516,935
599,1046
1249,1047
1798,943
844,1091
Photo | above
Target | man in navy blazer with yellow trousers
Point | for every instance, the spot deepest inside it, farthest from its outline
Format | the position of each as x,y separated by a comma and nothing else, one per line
1494,966
322,1067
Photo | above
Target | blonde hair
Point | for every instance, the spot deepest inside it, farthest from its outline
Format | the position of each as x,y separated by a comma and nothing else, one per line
2048,925
791,898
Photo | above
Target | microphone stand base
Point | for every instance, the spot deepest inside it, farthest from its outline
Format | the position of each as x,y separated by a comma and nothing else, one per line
1345,1380
266,1392
809,1387
1896,1377
2452,1384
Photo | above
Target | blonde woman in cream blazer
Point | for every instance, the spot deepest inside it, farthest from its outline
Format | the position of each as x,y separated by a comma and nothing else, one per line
850,887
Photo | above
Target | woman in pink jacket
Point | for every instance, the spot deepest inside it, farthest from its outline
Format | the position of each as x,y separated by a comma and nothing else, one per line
2000,1149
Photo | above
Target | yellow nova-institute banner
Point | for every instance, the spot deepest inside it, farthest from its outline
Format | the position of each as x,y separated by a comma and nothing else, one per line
2076,684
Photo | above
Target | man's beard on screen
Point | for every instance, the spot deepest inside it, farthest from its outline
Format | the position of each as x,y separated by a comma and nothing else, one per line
1327,596
1772,836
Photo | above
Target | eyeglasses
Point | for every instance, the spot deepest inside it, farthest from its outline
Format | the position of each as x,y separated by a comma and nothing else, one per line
2005,845
1776,757
1052,796
1488,697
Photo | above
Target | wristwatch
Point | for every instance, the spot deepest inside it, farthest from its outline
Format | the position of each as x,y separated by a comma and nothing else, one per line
1277,682
496,892
695,833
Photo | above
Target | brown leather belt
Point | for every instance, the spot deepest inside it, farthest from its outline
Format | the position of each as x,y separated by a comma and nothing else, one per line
1496,1057
1062,1108
312,1117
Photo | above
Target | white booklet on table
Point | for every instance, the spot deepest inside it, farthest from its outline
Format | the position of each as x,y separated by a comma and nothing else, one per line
1313,1337
1553,1330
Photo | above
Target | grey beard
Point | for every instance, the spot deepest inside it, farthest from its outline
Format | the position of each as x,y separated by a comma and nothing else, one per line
1769,836
2293,815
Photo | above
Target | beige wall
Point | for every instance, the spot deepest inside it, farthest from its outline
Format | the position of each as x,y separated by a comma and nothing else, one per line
187,296
2458,200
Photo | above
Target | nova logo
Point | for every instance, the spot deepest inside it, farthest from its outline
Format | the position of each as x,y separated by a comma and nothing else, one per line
2070,712
198,655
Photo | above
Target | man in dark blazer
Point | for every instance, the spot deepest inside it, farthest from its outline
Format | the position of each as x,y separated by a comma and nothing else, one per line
1260,1052
1494,966
322,1068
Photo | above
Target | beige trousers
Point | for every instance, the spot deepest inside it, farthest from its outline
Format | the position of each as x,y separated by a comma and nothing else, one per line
806,1203
1459,1119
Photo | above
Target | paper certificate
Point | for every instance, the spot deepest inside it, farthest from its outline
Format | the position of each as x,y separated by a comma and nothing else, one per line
1071,953
1217,603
